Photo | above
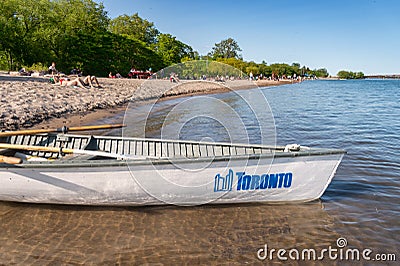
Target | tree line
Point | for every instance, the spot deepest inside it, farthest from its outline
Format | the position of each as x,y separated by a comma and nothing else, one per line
79,34
343,74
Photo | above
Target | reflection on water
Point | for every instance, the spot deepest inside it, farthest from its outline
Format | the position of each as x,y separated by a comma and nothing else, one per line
361,204
237,117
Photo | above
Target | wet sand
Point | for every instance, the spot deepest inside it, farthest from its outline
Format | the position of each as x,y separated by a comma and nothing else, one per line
34,102
220,234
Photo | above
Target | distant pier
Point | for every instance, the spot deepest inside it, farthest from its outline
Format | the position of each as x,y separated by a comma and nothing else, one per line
394,76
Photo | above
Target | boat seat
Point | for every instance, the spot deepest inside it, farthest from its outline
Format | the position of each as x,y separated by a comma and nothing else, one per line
91,145
4,139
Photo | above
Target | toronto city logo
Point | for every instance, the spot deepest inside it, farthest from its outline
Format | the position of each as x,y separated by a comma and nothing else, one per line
252,182
223,183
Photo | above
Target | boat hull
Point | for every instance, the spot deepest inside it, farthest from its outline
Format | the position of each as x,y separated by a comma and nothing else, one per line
186,182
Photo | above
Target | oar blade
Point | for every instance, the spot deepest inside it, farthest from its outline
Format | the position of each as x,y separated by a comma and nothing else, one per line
10,160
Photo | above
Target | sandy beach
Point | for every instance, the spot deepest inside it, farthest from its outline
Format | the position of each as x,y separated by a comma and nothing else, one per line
34,102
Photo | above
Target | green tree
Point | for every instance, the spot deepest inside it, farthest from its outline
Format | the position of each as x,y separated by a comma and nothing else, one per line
171,50
228,48
359,75
136,27
42,30
77,21
13,29
296,68
26,30
296,65
265,70
238,64
282,69
320,73
252,67
343,74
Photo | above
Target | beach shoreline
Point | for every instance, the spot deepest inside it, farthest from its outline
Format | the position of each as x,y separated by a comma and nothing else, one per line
32,102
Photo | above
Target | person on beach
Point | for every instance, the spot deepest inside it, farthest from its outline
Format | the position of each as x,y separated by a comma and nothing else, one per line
79,82
23,72
131,73
52,69
76,72
174,77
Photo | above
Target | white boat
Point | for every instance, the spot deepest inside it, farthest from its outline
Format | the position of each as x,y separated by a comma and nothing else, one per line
107,170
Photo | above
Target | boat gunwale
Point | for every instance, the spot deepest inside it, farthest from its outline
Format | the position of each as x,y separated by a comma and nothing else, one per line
167,160
275,152
226,144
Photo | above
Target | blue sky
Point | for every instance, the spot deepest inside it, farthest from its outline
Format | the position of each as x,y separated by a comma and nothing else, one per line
356,35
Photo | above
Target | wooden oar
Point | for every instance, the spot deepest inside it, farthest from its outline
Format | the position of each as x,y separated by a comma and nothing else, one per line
58,130
9,160
69,151
96,127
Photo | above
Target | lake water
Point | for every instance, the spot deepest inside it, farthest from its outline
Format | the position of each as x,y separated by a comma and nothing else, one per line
361,204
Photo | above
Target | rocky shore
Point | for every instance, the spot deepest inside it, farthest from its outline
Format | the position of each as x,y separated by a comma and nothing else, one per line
27,101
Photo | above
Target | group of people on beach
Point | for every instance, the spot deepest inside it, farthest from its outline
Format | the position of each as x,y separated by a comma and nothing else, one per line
78,81
116,76
133,74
